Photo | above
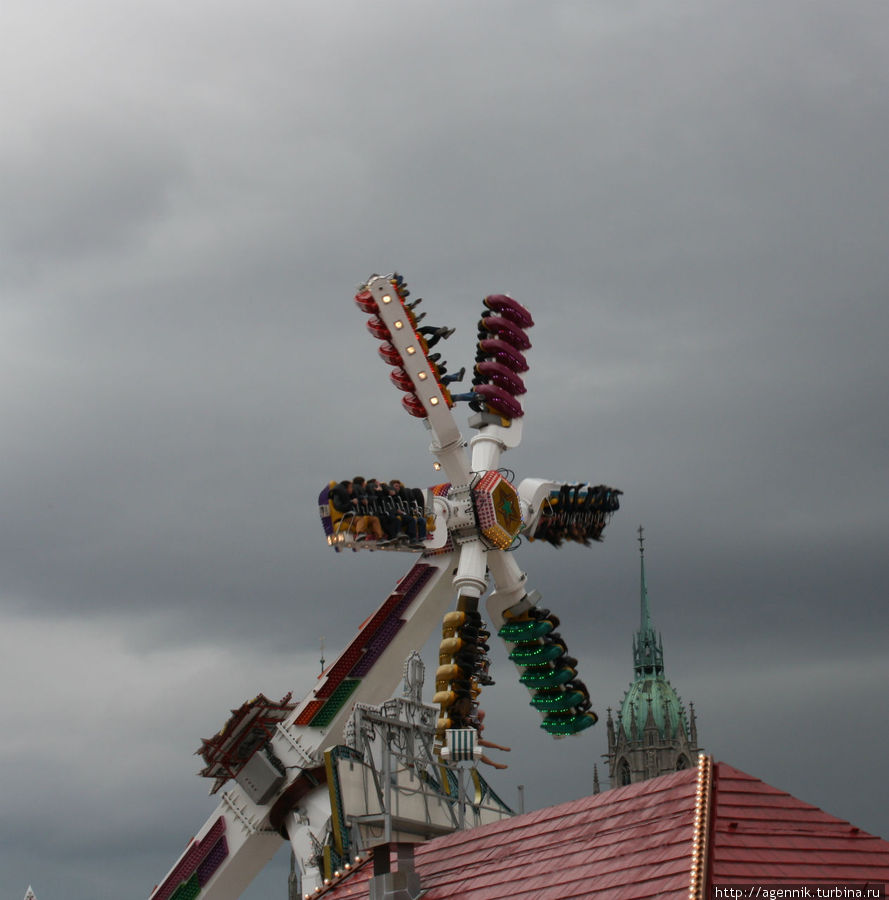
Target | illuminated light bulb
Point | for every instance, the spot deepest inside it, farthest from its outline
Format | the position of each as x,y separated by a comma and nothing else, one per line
411,351
398,325
387,298
436,465
422,376
357,859
433,401
348,867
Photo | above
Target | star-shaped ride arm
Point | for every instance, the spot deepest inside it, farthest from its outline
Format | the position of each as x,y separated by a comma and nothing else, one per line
276,753
418,376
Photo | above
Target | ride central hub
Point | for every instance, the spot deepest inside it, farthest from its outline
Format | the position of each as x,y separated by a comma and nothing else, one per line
497,510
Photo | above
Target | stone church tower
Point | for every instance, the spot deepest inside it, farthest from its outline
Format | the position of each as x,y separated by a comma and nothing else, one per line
652,735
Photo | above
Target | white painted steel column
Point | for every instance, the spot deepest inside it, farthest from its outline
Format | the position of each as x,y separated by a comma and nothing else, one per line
471,578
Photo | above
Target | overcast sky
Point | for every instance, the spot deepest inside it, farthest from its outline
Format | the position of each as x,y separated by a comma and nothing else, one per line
692,199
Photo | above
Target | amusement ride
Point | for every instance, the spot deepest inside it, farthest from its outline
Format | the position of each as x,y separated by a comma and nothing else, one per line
307,772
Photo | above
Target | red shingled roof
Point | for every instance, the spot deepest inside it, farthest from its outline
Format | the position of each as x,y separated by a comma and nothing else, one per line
635,842
760,834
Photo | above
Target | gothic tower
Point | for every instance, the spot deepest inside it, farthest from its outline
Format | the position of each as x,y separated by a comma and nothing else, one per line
653,735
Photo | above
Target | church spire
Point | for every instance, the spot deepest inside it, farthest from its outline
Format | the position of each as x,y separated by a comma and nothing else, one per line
652,735
648,651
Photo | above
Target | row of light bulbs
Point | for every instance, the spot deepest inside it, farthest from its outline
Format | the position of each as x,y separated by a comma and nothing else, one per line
702,796
337,875
398,324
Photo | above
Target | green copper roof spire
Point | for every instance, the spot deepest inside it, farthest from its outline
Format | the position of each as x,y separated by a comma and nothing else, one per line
648,651
652,734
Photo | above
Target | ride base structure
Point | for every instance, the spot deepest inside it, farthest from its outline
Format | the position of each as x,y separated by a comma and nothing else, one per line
307,772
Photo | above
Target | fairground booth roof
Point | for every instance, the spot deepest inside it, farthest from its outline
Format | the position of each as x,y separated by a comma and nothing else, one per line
678,835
